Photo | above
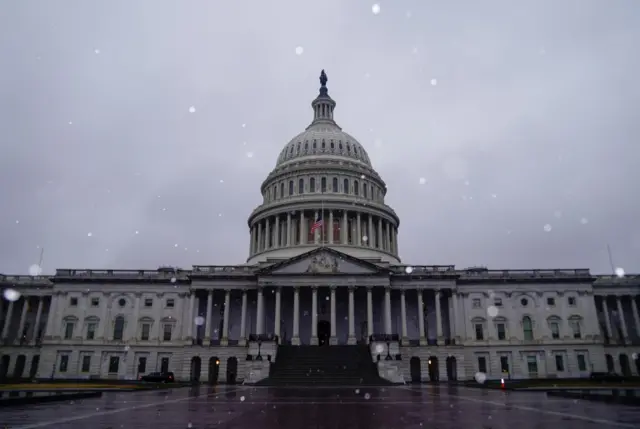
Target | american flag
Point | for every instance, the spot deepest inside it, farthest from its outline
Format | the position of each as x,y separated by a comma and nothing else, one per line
317,224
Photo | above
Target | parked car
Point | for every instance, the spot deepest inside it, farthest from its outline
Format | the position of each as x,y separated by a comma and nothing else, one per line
158,377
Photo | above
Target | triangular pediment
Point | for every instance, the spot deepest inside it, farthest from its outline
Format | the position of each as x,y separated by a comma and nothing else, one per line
323,261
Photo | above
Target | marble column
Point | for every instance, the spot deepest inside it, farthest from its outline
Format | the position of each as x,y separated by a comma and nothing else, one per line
636,318
260,313
260,248
334,338
23,317
314,316
423,338
289,229
277,321
351,339
267,233
36,327
607,319
623,322
379,240
190,320
369,313
387,311
295,339
276,238
330,229
439,318
358,230
456,320
371,240
7,321
225,320
403,317
133,327
104,320
51,316
207,326
303,237
243,320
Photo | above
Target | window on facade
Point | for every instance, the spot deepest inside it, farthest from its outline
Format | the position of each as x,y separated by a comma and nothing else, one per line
312,184
559,363
504,363
582,363
86,363
166,332
482,364
364,191
502,332
572,301
345,186
146,330
118,328
64,363
555,330
91,330
148,302
524,302
68,330
323,184
575,328
477,303
73,301
300,186
551,302
527,328
95,302
171,303
164,365
114,364
532,364
356,188
281,190
497,302
290,187
334,184
142,365
479,331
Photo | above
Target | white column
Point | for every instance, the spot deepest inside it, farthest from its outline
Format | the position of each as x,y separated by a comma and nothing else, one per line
456,321
344,233
330,230
623,323
7,322
303,236
23,317
277,321
48,329
288,229
438,317
369,313
260,313
207,322
403,317
243,320
371,240
636,318
607,320
316,233
379,240
133,324
387,311
314,316
295,340
388,237
276,237
358,230
104,319
36,327
423,338
333,339
267,233
190,321
352,318
225,320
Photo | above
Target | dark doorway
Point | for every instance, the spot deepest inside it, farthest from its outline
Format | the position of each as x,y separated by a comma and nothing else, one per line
625,368
610,363
415,369
196,364
214,370
21,362
324,332
4,366
434,374
452,370
35,362
232,370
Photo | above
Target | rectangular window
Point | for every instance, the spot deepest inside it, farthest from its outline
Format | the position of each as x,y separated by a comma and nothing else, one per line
532,365
582,363
476,303
68,330
95,302
551,302
164,365
575,327
148,302
334,185
114,364
504,363
142,365
497,302
171,303
91,331
64,363
86,363
479,331
146,329
73,302
166,335
502,332
323,184
559,363
555,330
572,301
312,185
482,364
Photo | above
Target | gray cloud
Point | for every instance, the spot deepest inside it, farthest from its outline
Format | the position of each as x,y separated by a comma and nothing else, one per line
531,122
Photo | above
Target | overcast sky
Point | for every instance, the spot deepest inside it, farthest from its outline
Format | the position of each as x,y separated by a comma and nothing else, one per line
507,132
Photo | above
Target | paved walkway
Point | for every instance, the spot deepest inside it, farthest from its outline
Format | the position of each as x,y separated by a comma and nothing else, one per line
371,408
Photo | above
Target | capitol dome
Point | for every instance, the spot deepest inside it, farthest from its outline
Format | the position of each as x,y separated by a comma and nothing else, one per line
323,191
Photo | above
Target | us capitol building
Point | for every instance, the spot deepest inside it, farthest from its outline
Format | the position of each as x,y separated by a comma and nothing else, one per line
324,269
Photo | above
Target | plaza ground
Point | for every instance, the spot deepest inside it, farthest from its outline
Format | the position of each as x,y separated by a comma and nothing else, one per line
371,408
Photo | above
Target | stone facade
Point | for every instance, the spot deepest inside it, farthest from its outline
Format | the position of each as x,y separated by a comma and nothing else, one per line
323,266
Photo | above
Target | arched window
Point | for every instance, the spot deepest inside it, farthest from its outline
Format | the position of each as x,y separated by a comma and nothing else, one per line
118,328
281,190
323,145
312,184
527,328
306,146
301,186
345,188
315,144
335,184
356,190
364,190
290,187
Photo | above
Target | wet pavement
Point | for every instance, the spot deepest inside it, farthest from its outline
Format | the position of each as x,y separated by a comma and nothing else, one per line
368,408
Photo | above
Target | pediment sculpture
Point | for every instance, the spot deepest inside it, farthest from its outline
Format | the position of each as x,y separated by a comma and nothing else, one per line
323,264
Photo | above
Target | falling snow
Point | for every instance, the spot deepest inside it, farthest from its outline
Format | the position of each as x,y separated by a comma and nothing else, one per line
375,9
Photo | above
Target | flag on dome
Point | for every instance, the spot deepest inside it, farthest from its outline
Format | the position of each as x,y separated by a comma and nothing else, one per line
317,224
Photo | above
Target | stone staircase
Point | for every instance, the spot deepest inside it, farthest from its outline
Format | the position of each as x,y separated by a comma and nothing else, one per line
323,366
